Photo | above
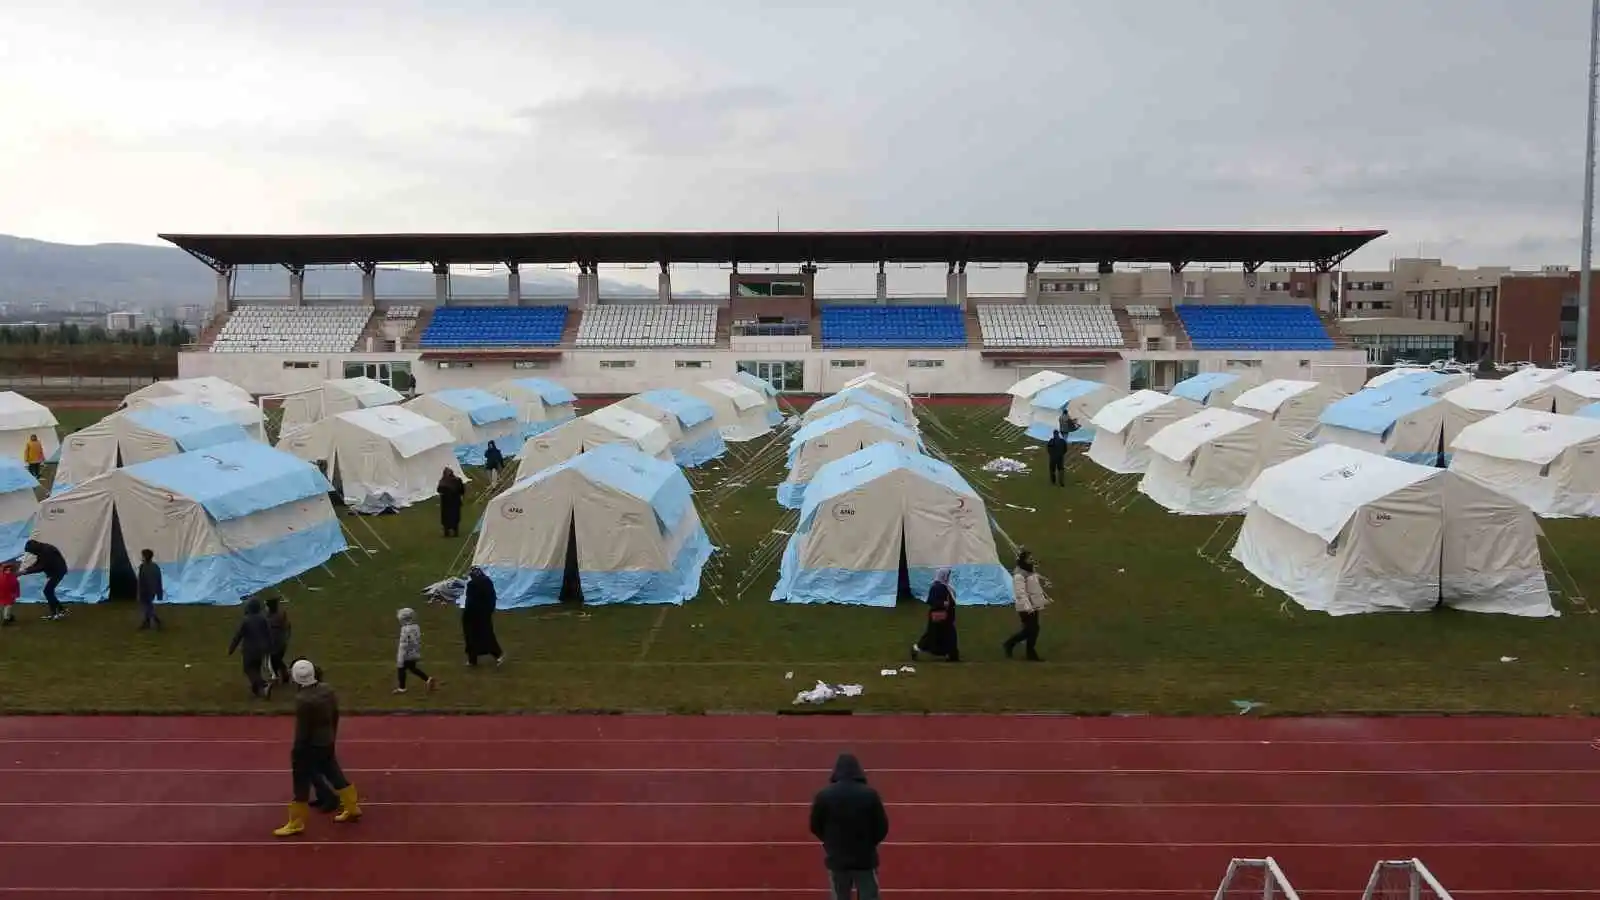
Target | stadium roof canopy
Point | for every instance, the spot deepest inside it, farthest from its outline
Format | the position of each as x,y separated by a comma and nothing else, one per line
1323,248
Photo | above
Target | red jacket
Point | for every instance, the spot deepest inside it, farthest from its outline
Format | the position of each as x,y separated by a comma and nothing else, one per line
10,588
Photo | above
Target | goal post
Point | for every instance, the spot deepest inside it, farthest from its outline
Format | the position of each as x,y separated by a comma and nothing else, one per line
1256,879
1403,879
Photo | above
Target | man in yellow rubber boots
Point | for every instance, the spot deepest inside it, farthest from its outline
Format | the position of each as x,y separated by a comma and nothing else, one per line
316,729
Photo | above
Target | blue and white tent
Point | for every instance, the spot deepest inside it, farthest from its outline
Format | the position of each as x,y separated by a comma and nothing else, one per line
1078,398
1409,380
18,504
835,436
856,397
765,388
1592,411
741,412
625,522
690,423
866,513
541,404
1394,423
1215,388
139,435
223,523
474,417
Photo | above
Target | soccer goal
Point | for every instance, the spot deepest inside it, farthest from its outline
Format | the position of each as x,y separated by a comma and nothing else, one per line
1403,879
1257,879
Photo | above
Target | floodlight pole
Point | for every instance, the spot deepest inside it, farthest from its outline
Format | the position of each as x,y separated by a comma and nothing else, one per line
1582,349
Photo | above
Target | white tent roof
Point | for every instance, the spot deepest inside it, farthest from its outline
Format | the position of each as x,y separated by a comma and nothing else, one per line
1394,374
1584,384
1526,435
408,432
1319,491
1488,395
881,380
242,412
1182,438
203,386
1116,415
743,397
639,429
1538,375
368,392
18,413
1035,383
1266,398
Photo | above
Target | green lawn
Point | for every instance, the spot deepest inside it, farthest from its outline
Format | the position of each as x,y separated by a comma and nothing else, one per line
1143,623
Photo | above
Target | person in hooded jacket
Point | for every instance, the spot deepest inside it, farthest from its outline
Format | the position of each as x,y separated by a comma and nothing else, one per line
848,818
452,493
253,640
314,753
1031,600
477,618
1056,449
47,559
939,638
493,460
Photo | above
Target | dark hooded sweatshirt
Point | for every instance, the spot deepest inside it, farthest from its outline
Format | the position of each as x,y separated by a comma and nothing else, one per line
254,637
849,819
1057,448
46,559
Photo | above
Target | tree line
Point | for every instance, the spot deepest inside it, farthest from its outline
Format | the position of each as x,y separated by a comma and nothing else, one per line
70,334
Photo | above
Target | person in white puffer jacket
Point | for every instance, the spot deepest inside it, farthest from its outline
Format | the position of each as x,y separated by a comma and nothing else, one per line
1031,599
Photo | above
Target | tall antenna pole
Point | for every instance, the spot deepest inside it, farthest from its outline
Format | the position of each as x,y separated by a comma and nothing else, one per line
1582,354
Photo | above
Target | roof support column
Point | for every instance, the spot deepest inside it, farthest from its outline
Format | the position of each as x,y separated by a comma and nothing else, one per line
664,283
1106,272
224,298
952,287
1030,283
1252,283
441,284
883,285
514,283
297,285
592,292
369,283
1323,282
1175,295
961,284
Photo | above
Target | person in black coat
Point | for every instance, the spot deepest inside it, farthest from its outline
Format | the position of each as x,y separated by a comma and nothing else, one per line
150,590
452,491
280,628
48,561
253,640
1056,448
939,638
848,818
493,460
477,619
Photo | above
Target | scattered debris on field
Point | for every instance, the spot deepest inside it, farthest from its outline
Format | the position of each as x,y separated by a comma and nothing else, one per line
1508,659
1005,465
824,692
1245,707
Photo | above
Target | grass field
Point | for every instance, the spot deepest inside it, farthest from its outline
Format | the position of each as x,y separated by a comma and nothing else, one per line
1143,623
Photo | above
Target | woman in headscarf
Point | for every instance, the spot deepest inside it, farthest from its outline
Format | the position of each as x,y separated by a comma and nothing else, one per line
452,490
1031,599
477,619
939,638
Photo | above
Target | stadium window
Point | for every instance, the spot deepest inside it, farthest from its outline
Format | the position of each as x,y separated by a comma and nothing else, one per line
1305,363
692,364
1243,364
925,363
453,364
616,363
530,364
297,364
847,363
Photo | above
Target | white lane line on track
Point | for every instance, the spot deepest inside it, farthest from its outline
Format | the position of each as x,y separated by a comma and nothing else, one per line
811,772
807,892
763,804
874,742
811,846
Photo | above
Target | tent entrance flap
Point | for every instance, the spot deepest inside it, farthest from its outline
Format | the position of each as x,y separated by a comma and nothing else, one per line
905,593
123,580
571,581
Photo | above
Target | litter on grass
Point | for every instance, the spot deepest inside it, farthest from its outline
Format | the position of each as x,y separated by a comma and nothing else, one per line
1005,464
1508,659
824,692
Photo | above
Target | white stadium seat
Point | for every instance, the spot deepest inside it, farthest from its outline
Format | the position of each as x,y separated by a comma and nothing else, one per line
648,325
1049,325
293,329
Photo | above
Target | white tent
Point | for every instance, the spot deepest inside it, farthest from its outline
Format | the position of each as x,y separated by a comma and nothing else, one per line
18,503
209,386
619,524
244,413
1575,391
1480,399
1204,464
474,417
607,425
833,437
223,523
892,391
740,412
1079,398
866,513
1538,375
858,396
1407,426
1021,413
1549,463
882,380
1123,427
1216,388
690,423
382,450
766,390
332,397
1345,531
20,418
1415,380
1293,405
139,435
541,404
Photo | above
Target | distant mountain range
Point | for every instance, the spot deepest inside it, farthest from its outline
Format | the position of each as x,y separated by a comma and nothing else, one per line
119,276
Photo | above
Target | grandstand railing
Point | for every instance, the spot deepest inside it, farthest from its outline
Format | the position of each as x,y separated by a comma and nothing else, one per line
771,329
1258,879
1403,879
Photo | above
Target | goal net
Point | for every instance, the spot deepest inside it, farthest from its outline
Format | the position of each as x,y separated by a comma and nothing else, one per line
1256,879
1403,879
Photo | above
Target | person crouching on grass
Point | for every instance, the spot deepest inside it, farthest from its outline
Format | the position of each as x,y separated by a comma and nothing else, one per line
409,653
316,727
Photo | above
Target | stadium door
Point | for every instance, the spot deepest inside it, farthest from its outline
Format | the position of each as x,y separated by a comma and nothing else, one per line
783,375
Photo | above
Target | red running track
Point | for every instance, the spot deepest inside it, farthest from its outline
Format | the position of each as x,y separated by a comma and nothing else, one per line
670,807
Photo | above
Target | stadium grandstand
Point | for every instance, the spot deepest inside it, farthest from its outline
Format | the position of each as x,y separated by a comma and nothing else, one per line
1128,308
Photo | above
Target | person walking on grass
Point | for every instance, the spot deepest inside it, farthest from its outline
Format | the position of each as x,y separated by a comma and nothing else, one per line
477,618
939,637
1031,600
33,455
493,462
1056,448
10,592
848,818
47,559
452,493
253,639
278,632
409,653
314,753
150,591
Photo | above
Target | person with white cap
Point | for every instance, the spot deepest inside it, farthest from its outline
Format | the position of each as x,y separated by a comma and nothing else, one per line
316,727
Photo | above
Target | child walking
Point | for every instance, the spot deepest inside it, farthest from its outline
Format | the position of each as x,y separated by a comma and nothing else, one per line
409,652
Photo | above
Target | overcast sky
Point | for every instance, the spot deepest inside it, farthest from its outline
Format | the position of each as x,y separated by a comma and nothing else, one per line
1455,124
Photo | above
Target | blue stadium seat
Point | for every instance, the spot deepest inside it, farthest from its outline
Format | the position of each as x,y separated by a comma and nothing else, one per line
1254,328
893,326
491,326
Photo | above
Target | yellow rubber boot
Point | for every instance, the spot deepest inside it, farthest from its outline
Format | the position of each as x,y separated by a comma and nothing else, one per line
349,805
297,821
